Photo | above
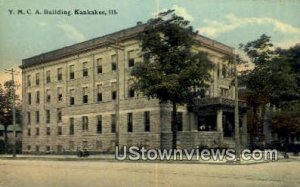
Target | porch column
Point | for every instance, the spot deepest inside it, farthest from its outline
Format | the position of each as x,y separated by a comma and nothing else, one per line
193,122
244,133
220,124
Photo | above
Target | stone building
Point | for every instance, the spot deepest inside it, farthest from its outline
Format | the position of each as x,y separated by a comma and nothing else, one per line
10,133
80,97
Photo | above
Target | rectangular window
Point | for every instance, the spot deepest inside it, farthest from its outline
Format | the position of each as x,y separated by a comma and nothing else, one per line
113,123
72,97
99,97
114,95
218,70
179,121
85,71
38,97
48,76
99,65
28,132
37,79
147,121
48,131
131,91
37,131
99,92
130,59
59,148
129,122
114,62
37,117
28,80
224,92
48,95
85,98
71,73
59,115
47,116
71,126
28,147
59,74
59,94
114,90
224,71
37,148
59,130
85,123
28,118
48,148
29,98
131,62
99,124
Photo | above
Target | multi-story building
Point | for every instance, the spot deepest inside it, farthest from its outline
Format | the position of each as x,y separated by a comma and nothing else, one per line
80,96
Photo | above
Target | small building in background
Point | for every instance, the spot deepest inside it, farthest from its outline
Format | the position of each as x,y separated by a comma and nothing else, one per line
10,137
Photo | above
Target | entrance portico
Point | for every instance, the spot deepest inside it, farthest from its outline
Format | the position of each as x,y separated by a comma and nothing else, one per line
217,115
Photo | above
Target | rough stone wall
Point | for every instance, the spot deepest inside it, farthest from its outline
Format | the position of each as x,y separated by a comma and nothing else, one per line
90,139
160,133
190,139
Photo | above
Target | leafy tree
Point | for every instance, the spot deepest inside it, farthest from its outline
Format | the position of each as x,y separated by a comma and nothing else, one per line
290,65
171,70
286,123
6,93
258,80
273,79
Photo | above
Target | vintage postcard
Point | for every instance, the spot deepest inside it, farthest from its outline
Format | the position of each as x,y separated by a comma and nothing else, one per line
149,93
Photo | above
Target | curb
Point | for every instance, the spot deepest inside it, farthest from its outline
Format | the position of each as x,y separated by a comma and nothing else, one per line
139,161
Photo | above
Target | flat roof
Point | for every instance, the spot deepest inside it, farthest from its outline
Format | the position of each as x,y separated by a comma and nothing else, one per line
106,40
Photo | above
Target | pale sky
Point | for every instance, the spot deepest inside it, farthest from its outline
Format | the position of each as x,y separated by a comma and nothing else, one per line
231,22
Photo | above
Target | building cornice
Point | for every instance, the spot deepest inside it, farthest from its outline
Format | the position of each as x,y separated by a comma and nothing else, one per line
106,40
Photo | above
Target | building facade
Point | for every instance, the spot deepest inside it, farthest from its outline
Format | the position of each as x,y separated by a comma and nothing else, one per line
80,97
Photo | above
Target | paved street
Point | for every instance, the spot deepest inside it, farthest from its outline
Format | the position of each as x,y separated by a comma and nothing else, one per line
41,173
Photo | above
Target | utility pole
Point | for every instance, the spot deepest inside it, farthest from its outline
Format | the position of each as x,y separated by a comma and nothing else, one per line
116,46
157,8
236,112
13,109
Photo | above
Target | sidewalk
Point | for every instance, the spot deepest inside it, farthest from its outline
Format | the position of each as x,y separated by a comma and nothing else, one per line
111,158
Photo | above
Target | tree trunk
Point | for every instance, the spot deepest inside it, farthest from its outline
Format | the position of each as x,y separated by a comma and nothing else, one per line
254,128
286,143
174,126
